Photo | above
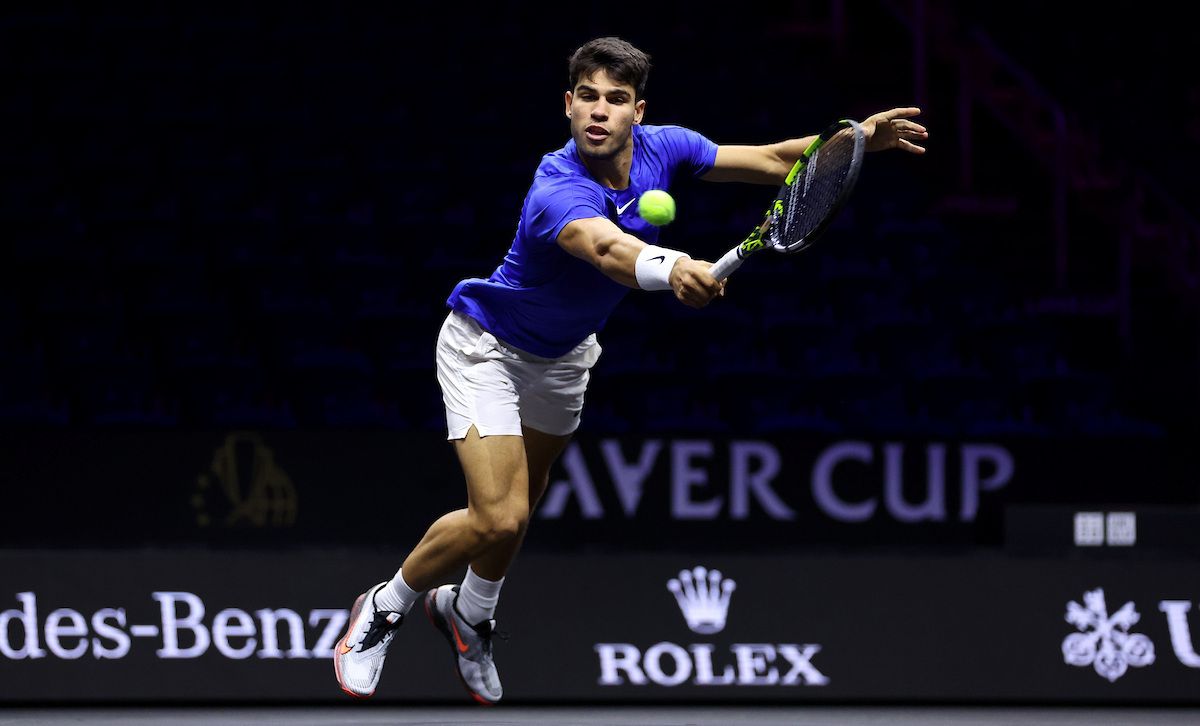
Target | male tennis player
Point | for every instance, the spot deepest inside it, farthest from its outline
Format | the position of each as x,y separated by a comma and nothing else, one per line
514,354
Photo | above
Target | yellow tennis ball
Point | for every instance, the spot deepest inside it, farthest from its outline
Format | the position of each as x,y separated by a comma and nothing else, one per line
656,207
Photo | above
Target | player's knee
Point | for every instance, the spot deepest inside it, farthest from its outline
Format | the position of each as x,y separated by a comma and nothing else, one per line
502,525
508,529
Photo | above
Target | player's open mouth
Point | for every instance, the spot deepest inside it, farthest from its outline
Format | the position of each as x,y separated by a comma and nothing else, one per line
596,134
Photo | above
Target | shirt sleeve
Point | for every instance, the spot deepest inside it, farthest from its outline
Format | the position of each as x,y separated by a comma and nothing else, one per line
690,152
556,201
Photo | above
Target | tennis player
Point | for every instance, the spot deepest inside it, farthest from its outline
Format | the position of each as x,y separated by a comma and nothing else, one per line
516,350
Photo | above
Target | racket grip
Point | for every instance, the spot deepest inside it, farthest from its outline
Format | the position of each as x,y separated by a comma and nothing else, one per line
729,262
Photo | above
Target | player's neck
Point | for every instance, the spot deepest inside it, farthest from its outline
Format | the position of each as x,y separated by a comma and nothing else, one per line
612,173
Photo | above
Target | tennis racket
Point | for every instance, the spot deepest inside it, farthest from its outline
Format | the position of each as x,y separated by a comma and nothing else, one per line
809,199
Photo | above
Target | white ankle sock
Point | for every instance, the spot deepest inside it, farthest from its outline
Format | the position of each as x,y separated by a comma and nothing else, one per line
477,597
396,595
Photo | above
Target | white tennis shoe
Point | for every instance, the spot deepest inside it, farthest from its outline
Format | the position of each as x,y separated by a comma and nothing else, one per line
358,656
472,644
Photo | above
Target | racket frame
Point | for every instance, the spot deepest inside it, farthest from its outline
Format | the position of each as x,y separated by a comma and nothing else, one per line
760,236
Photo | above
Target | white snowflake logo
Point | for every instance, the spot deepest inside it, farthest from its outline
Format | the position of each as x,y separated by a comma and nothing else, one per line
1105,642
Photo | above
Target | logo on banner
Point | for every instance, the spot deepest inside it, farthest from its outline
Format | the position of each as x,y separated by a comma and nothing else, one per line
244,487
703,597
703,487
1104,641
183,629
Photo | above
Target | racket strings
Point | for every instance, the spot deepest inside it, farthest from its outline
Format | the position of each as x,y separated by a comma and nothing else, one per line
817,190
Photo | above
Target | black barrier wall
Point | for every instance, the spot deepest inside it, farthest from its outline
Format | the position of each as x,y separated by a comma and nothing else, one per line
162,626
112,488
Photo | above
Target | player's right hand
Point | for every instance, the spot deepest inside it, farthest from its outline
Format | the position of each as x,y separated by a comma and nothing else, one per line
692,283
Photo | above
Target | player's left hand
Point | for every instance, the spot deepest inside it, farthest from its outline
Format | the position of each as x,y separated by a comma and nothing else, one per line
892,130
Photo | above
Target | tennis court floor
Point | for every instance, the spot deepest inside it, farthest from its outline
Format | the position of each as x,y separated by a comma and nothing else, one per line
369,715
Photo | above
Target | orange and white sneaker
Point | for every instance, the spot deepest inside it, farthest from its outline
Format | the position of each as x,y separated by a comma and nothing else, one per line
358,656
472,644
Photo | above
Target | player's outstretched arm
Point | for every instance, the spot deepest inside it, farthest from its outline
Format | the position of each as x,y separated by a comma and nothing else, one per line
770,163
766,164
633,263
598,241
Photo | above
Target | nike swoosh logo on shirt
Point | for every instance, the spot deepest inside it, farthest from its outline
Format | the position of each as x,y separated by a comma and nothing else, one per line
621,209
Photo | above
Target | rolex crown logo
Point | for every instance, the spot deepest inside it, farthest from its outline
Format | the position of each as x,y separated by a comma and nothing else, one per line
703,596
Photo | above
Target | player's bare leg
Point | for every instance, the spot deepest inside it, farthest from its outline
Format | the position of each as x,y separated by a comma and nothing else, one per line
464,613
541,451
497,510
496,514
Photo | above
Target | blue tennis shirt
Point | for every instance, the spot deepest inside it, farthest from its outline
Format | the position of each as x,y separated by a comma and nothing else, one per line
544,300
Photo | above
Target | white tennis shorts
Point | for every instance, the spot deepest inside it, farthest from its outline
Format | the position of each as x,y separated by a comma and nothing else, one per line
496,388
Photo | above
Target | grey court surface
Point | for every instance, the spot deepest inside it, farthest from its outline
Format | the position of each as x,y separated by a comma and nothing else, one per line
643,716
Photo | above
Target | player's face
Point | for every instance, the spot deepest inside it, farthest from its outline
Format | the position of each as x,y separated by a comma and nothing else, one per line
602,113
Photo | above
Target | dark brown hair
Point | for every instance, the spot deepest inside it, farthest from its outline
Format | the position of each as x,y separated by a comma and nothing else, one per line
623,63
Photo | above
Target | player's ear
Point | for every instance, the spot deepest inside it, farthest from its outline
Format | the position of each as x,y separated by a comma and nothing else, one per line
639,110
567,98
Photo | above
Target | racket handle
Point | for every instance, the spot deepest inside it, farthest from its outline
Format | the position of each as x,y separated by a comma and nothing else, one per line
729,262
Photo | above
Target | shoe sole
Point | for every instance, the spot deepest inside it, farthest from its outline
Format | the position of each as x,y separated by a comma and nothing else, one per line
434,620
337,651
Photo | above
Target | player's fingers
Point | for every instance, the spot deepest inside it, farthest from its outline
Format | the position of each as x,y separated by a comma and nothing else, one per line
688,294
911,147
708,283
701,280
903,112
698,296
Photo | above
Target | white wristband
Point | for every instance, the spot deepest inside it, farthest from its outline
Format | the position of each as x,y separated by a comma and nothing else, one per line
653,267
